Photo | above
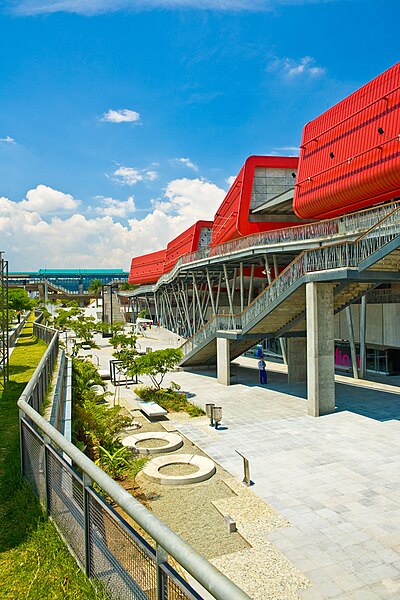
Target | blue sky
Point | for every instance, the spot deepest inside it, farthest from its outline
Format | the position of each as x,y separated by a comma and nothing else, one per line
121,121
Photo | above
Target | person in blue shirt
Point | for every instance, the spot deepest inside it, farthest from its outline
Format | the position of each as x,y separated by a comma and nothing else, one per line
261,367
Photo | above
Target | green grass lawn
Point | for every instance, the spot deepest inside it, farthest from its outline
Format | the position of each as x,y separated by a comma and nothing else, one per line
34,562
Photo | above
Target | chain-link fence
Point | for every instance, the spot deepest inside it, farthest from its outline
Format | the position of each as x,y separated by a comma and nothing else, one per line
103,543
110,550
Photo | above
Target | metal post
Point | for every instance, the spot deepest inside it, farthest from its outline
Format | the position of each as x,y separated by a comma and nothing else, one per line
228,291
267,269
353,352
4,330
275,263
241,288
87,483
186,308
233,289
156,307
197,298
363,336
218,292
161,558
148,306
21,441
251,285
46,443
210,290
246,469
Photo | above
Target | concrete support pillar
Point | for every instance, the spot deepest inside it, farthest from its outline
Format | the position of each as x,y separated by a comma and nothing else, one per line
297,359
223,361
320,349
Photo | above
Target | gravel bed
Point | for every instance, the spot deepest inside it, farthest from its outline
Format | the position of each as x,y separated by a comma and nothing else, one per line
197,513
189,509
178,469
151,443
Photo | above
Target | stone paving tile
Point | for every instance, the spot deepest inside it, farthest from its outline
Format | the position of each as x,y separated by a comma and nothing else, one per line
334,478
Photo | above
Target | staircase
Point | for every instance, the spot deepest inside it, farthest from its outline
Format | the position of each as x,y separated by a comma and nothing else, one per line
354,267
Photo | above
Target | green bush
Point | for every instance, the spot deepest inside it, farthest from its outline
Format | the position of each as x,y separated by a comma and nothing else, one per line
95,424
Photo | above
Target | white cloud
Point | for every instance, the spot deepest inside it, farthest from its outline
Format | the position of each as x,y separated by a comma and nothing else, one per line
121,116
151,175
44,199
230,180
102,242
193,199
186,162
285,151
292,69
92,7
131,175
7,140
116,208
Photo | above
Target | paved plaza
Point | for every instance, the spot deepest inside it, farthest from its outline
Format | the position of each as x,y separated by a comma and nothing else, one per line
335,478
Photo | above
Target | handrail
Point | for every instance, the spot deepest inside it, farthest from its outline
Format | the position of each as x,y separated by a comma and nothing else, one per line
345,224
201,569
332,256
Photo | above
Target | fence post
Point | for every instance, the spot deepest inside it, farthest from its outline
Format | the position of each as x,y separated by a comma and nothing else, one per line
46,442
87,483
21,441
161,558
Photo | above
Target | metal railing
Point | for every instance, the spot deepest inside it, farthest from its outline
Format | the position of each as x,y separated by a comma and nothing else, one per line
216,323
109,549
335,256
15,333
340,226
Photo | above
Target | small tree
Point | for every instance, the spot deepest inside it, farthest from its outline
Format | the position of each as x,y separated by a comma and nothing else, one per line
85,328
95,288
19,300
65,317
156,364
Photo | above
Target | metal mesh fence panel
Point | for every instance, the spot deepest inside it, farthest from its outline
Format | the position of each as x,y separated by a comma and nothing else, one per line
119,557
175,587
65,502
33,459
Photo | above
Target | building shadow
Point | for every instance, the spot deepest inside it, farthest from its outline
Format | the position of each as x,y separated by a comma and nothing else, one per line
374,404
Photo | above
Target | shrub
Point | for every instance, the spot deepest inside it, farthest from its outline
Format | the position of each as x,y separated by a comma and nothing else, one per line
170,399
156,364
94,423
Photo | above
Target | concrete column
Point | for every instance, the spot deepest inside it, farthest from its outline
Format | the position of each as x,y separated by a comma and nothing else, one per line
223,361
297,359
320,349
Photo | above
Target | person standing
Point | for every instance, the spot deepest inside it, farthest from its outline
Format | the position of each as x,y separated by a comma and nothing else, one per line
262,369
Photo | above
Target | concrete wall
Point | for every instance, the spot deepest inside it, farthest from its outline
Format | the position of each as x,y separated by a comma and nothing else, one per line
383,324
269,183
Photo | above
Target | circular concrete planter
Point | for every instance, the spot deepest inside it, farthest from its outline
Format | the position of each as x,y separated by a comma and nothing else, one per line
205,469
174,441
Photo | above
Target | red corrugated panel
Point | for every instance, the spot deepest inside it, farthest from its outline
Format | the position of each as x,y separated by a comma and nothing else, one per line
147,268
184,243
232,218
365,166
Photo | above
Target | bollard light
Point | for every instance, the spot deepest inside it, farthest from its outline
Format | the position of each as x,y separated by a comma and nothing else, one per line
217,415
209,413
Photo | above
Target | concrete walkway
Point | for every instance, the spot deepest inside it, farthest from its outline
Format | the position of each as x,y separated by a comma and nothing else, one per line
335,478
